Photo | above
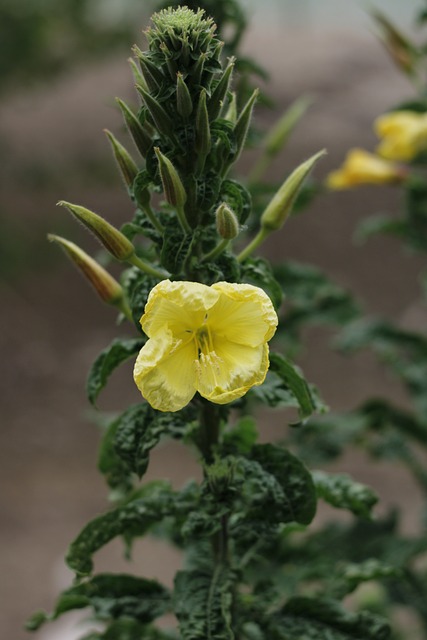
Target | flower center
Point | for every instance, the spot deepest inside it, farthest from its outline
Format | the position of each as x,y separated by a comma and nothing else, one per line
203,341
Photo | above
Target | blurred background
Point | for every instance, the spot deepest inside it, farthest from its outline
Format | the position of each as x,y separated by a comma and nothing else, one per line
62,63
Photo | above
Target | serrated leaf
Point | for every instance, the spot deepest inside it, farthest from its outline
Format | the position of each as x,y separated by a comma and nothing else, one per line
120,350
203,603
343,492
291,376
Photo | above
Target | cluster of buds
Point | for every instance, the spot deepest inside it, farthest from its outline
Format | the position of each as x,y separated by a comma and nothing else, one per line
188,132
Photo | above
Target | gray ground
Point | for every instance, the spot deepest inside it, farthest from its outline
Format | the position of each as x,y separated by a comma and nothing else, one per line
53,327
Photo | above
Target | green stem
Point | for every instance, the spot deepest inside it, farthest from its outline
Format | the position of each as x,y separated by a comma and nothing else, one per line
183,219
147,268
123,306
254,244
260,168
153,218
216,251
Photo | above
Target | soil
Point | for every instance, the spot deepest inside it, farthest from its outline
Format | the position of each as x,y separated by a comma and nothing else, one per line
53,327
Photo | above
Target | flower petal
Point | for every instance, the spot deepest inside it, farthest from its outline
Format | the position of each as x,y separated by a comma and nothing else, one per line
243,314
165,371
231,370
181,306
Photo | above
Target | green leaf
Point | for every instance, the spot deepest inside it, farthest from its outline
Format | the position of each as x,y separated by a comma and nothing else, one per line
291,376
109,359
320,619
352,574
132,519
273,393
137,286
296,501
176,247
116,472
203,603
258,272
238,198
311,297
343,492
242,436
122,595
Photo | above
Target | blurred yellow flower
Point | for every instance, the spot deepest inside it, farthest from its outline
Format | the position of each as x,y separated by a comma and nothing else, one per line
362,167
403,134
207,339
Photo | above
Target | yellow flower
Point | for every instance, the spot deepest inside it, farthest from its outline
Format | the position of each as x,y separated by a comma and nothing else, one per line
403,133
361,167
207,339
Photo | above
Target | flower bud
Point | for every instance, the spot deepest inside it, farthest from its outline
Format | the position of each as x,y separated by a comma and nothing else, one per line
172,186
279,208
203,131
281,131
401,50
361,167
231,114
218,95
243,122
226,222
152,75
160,118
111,238
105,285
137,75
184,103
140,137
127,166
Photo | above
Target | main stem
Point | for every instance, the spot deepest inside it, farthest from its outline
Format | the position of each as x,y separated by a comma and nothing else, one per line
209,436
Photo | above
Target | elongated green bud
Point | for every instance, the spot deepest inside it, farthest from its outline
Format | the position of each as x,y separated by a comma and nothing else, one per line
279,208
281,131
111,238
104,284
140,137
226,222
184,103
172,186
243,122
218,95
127,166
203,131
231,114
161,119
197,72
152,75
137,75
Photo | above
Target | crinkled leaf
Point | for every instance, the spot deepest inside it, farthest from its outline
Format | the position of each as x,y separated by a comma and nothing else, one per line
258,272
273,393
137,286
311,297
238,198
140,428
115,470
292,377
242,436
320,619
295,482
343,492
203,604
120,350
132,519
